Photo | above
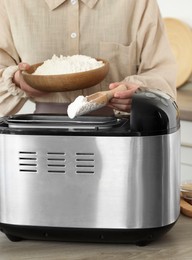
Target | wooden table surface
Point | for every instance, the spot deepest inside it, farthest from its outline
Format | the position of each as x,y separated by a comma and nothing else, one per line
175,245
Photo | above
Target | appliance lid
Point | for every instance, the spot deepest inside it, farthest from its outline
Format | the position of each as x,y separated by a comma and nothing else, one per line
60,121
58,124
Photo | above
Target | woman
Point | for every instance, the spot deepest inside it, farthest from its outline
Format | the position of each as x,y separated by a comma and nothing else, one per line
129,34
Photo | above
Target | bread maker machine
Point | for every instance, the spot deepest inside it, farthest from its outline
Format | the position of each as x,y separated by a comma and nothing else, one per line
92,178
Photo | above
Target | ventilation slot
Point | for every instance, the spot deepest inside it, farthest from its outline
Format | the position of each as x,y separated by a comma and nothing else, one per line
56,163
85,163
27,162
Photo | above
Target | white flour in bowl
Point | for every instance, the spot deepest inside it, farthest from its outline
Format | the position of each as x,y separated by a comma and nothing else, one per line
67,65
81,106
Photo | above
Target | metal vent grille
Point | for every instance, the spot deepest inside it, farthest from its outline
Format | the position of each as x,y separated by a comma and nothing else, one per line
85,163
28,162
56,163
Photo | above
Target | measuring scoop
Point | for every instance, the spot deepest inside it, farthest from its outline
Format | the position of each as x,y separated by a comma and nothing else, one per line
83,105
103,97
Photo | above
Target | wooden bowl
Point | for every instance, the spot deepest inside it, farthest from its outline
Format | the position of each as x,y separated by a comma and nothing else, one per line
186,208
186,191
65,82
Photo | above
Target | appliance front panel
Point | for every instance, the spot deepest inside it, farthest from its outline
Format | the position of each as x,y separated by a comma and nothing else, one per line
89,182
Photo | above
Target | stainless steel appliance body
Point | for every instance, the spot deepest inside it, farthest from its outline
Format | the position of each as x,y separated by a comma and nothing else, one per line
60,179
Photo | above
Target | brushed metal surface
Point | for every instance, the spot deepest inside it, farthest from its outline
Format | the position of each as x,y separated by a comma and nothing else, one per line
91,182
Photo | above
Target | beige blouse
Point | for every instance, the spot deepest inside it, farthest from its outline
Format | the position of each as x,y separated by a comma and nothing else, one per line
127,33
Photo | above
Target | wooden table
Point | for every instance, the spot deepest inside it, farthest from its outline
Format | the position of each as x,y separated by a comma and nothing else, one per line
175,245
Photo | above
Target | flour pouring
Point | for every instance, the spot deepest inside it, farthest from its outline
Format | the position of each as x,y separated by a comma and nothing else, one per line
84,105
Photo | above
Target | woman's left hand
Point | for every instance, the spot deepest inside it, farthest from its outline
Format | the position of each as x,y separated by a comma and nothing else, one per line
20,83
122,100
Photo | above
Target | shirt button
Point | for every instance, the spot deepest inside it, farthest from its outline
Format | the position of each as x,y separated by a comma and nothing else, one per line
73,35
73,2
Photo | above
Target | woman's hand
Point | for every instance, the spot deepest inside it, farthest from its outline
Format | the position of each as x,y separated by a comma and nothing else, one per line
19,81
122,100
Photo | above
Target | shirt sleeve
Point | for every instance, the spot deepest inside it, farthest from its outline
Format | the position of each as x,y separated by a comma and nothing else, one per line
12,98
157,66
